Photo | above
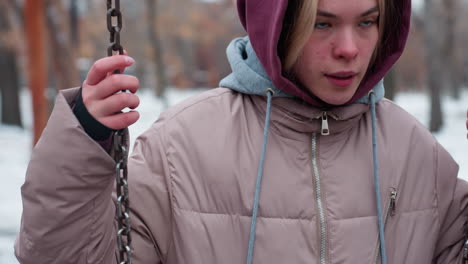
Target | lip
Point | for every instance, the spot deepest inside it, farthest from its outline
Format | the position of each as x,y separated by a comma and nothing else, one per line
342,78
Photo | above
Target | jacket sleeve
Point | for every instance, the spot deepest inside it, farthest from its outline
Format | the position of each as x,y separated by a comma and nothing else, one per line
452,194
68,212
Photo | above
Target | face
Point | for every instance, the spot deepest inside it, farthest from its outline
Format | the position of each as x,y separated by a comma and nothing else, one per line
338,52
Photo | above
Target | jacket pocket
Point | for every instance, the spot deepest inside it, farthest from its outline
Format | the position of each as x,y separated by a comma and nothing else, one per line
389,212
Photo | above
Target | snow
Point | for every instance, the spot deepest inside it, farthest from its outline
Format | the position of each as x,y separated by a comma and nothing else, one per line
16,148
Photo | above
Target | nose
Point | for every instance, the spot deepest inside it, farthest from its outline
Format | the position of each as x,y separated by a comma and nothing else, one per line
345,47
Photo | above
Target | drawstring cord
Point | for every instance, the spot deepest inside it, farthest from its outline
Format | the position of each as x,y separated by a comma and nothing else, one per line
383,255
253,224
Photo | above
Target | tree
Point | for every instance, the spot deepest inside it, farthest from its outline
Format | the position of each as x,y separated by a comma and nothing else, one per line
161,82
74,24
434,66
10,86
450,49
61,46
35,31
390,84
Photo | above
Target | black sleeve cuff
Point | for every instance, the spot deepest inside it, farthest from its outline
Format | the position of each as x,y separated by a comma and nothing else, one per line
93,128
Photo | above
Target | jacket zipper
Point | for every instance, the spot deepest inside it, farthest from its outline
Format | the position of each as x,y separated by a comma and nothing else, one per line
390,212
325,131
318,196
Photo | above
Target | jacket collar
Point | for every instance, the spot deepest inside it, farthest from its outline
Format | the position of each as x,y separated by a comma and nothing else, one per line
291,115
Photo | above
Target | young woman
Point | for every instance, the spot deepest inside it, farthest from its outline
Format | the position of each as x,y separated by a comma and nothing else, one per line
298,158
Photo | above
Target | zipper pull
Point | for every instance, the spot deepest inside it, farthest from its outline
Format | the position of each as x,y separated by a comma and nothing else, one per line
393,196
325,130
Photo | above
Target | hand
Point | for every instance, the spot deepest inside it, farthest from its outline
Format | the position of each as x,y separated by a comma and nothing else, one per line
100,92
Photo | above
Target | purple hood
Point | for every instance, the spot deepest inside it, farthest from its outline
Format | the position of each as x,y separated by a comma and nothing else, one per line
263,21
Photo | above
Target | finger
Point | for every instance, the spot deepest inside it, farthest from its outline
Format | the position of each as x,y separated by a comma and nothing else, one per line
120,121
102,67
115,83
114,104
122,70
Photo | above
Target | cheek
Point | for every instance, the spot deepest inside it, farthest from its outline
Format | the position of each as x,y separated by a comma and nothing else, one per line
311,57
321,50
321,54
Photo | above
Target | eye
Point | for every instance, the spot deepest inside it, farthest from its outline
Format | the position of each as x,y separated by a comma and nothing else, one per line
322,25
367,23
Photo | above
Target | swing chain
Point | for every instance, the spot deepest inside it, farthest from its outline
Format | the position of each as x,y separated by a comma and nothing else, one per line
114,29
122,204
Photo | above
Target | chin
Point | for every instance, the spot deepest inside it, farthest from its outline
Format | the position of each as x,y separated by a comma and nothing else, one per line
335,99
331,94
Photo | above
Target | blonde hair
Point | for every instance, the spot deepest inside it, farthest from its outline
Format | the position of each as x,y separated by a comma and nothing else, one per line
299,23
297,26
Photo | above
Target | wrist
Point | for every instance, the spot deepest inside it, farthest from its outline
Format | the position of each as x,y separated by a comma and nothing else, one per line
95,129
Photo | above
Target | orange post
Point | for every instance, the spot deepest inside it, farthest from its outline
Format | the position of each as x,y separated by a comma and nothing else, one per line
37,70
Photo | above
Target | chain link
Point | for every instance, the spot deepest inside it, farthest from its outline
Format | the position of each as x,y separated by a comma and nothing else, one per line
113,11
122,204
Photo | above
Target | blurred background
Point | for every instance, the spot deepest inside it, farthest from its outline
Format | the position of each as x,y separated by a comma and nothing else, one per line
179,47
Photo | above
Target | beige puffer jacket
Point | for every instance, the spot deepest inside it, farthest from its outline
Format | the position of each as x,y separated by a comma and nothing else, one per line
192,177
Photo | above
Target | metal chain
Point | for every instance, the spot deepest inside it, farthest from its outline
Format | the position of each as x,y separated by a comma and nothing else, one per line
114,11
122,213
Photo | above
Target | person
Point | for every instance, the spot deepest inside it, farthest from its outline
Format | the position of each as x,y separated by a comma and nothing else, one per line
296,158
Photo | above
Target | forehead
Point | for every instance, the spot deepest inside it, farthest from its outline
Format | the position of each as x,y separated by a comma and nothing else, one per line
346,7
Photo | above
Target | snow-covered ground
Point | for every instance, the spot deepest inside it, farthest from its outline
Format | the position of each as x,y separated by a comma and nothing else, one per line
15,145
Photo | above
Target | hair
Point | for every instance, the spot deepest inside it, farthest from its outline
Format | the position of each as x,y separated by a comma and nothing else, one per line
299,22
297,26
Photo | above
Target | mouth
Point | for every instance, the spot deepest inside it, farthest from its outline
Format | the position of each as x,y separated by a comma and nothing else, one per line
342,79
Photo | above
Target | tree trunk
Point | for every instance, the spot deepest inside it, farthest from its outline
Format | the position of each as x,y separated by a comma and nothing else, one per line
10,87
35,31
450,49
74,33
161,81
465,71
390,84
433,64
66,74
184,47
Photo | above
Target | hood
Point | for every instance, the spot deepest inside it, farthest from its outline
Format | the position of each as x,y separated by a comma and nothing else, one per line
263,21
